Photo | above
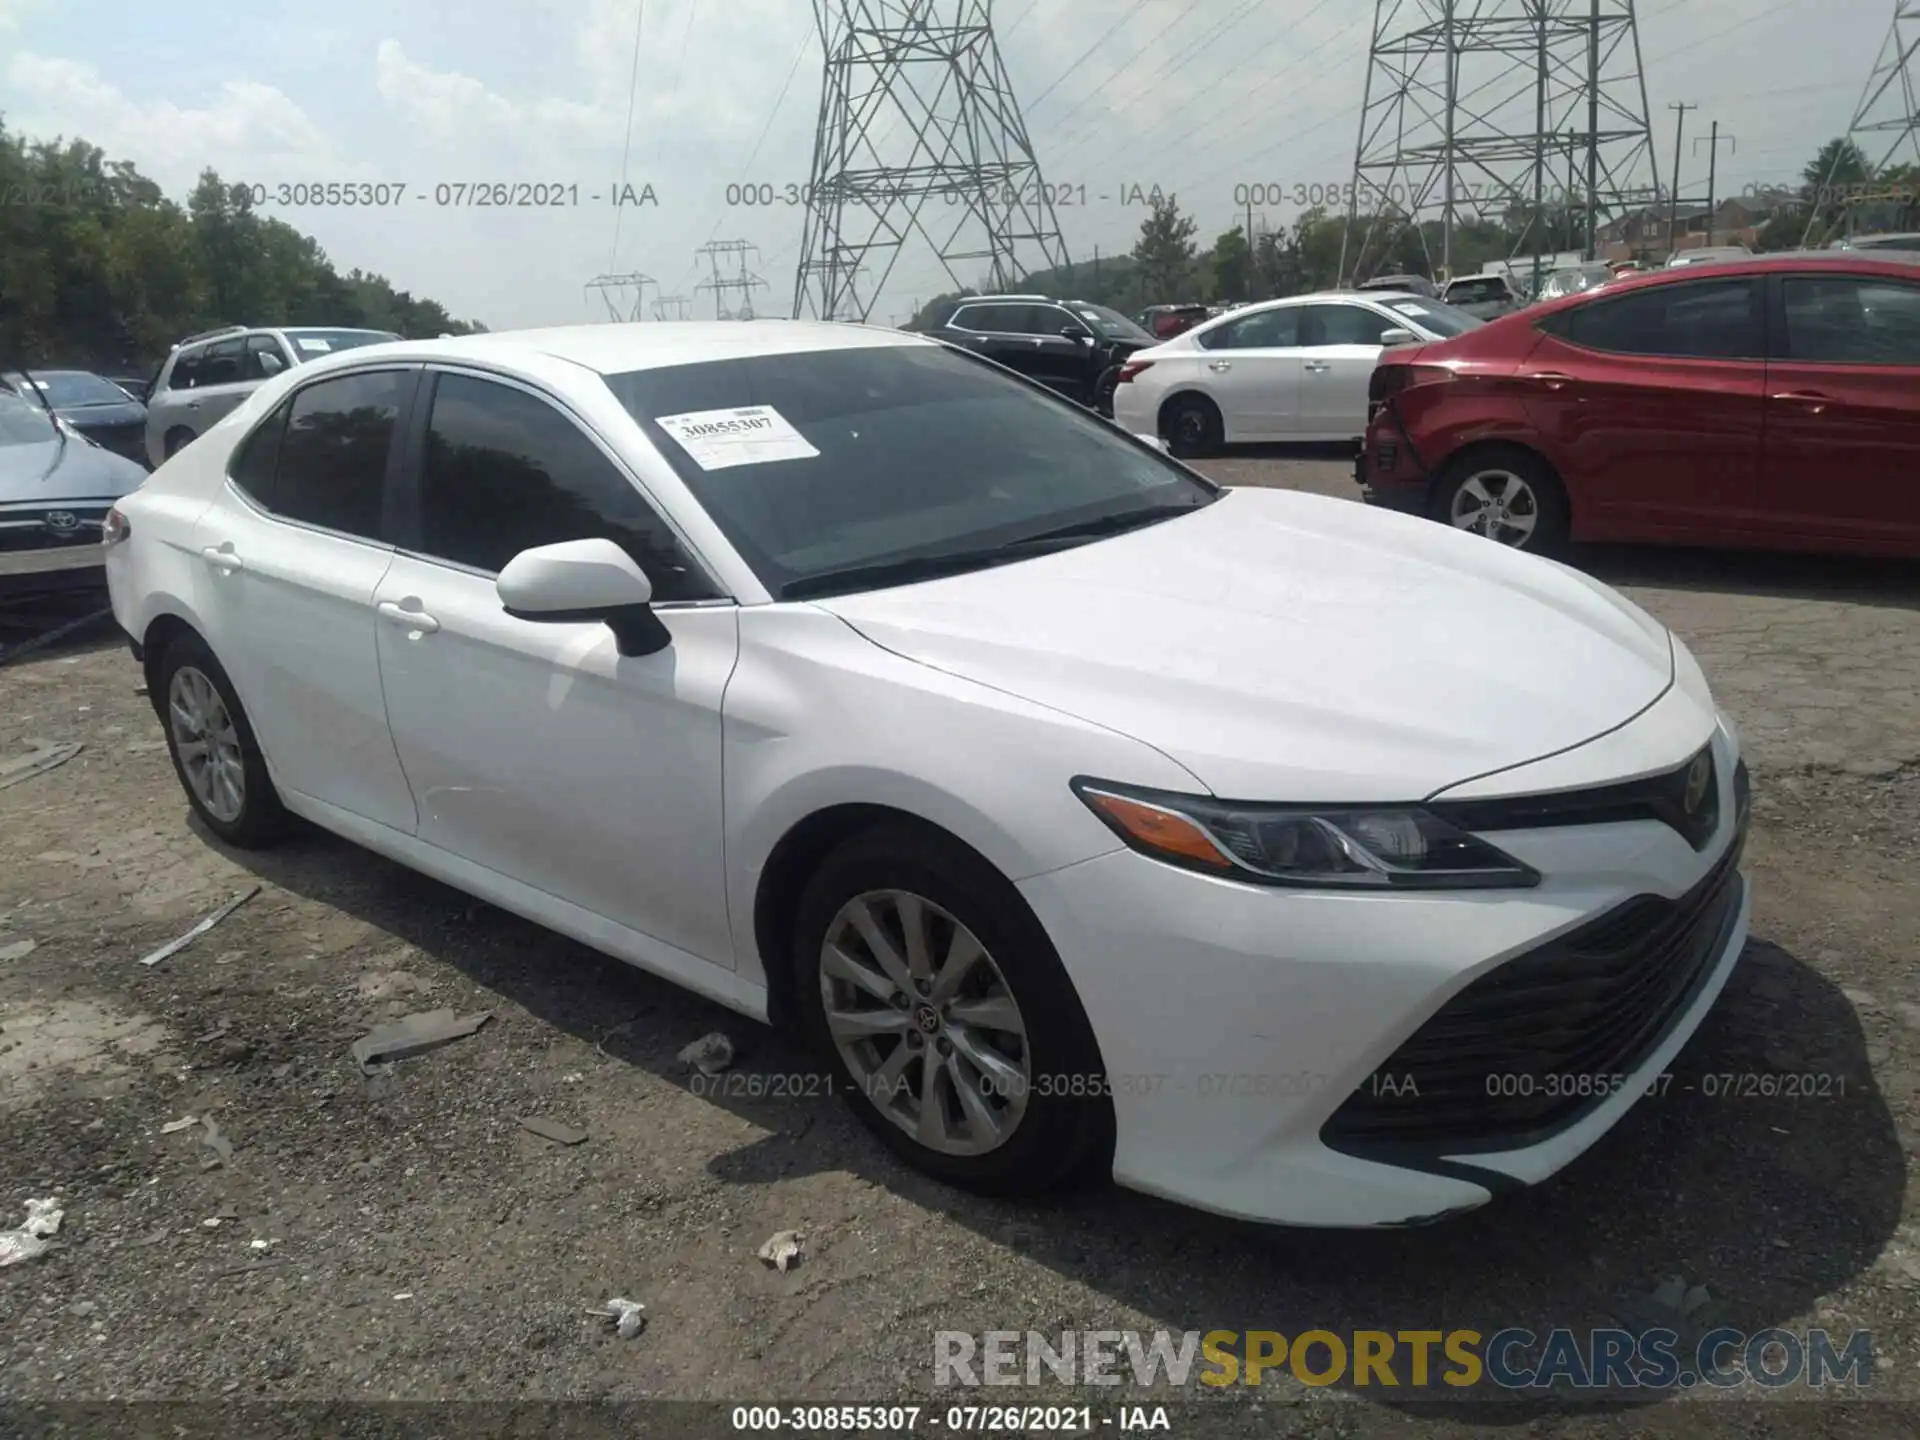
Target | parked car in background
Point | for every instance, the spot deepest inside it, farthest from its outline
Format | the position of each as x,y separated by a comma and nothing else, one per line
55,485
95,406
1573,280
1163,322
1622,268
1292,369
900,719
207,375
1769,402
1907,242
1485,297
1070,346
1402,285
138,386
1707,255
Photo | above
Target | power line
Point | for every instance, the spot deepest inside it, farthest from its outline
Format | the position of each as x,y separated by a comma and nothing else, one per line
1105,35
626,148
679,65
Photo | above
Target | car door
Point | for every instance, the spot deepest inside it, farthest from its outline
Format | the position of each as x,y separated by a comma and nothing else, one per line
1339,347
1841,453
1062,350
265,358
1652,403
288,560
1251,369
536,749
220,383
997,332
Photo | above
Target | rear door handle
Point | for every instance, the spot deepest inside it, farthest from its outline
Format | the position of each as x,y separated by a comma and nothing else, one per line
1317,367
1811,400
1551,379
411,619
1220,365
222,558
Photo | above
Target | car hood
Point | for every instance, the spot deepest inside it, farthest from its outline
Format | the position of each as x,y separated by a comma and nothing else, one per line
75,470
90,417
1293,647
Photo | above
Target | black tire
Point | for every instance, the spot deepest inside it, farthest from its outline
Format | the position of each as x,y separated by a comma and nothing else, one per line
1192,427
1060,1137
261,818
1103,391
177,440
1543,496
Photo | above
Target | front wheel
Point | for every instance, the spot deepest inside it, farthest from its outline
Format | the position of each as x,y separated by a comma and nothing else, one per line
1510,497
946,1017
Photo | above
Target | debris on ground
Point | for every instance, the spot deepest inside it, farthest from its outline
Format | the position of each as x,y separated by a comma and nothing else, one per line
185,1122
414,1035
174,947
32,1238
782,1250
391,985
38,762
628,1321
710,1054
221,1146
552,1130
18,949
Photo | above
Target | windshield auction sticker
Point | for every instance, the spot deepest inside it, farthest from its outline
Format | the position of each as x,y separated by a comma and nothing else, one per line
719,439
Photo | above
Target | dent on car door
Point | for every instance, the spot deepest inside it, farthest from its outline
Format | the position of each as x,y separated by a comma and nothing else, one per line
1652,403
1841,455
535,749
289,562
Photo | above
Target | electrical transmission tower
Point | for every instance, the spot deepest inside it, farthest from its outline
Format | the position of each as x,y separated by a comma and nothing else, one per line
625,295
962,178
670,307
742,280
1886,123
1527,113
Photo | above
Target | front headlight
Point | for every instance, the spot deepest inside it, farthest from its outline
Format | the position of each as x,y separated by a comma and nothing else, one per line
1314,846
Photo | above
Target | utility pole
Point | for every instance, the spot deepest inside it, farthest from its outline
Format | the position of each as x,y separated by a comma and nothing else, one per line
1713,156
1593,132
1673,204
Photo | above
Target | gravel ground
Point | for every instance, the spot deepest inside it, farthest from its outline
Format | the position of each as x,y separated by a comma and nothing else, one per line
404,1236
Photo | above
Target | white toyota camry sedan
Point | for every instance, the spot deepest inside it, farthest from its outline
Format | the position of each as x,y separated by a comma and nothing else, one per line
1283,370
1292,859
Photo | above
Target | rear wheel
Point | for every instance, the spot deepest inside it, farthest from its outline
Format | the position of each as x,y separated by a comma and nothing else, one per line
1103,391
1509,496
1192,426
213,747
946,1016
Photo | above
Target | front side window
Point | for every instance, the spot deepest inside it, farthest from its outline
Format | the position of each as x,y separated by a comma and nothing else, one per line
1267,330
186,369
333,457
505,471
891,455
1342,325
222,364
1705,320
265,359
1852,320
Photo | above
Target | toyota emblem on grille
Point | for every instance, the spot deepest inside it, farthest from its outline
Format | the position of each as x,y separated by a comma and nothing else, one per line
61,522
1699,777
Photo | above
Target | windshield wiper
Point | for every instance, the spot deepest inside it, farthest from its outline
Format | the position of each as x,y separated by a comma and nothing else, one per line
932,567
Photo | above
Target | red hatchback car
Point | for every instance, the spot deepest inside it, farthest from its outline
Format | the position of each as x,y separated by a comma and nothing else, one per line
1771,403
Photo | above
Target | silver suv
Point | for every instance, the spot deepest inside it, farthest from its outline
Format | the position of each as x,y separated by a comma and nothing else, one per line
207,375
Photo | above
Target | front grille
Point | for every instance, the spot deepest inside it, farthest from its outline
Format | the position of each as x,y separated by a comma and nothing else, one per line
49,527
1533,1045
1686,798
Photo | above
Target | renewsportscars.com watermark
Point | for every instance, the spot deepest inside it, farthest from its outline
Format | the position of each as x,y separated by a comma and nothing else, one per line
1461,1360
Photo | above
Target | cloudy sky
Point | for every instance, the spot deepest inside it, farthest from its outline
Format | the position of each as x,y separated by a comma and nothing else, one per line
1197,97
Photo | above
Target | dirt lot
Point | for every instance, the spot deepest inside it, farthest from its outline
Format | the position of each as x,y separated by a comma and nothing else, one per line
403,1237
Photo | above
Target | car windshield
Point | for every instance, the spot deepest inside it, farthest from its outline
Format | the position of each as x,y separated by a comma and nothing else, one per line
1436,317
310,344
1473,292
841,460
1111,324
23,423
76,388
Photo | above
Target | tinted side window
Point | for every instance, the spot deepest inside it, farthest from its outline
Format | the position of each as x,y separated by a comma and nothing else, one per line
982,317
222,365
252,463
1051,320
1342,325
505,471
1710,320
1839,320
186,370
1267,330
333,459
264,358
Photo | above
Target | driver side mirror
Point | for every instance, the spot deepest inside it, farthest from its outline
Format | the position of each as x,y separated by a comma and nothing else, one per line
579,581
1398,336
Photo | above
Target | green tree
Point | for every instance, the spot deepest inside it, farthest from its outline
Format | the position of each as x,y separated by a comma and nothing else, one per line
1231,265
1165,251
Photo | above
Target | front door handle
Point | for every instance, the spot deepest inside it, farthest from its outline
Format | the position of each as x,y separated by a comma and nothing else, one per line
1222,365
412,619
1551,379
1317,367
1812,401
222,558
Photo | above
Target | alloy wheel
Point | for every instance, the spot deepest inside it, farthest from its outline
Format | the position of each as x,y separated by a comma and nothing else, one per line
925,1022
208,744
1499,505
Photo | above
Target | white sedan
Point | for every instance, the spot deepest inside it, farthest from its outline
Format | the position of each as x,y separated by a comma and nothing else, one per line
1284,370
1084,816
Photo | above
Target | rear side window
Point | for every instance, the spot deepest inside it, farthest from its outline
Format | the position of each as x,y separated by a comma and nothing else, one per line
222,364
333,456
254,459
265,359
1852,320
506,471
1708,320
1270,329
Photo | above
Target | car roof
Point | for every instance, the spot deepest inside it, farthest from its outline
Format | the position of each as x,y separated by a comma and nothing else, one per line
614,349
